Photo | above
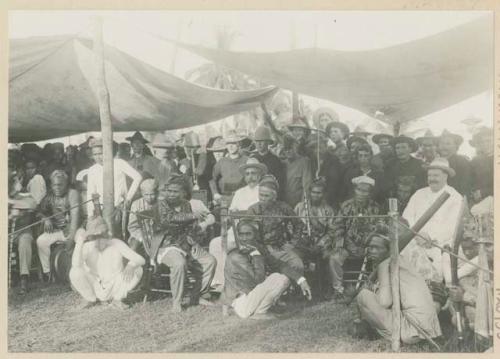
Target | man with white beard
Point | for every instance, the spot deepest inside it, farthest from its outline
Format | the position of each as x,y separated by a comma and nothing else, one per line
252,171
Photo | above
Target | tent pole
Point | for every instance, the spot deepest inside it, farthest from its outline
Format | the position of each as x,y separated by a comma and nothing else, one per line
295,95
106,129
394,272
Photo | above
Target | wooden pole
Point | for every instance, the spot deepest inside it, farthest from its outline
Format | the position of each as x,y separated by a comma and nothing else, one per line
295,95
394,270
106,128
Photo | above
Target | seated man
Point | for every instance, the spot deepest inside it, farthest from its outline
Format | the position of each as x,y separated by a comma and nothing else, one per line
246,288
318,246
181,227
280,235
63,201
350,233
97,269
375,300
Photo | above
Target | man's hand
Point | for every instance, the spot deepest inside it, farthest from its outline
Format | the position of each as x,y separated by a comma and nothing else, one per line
48,227
306,290
128,273
456,294
425,242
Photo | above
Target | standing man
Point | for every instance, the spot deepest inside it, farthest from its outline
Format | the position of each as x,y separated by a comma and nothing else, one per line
351,232
404,166
428,148
164,150
298,172
180,246
262,140
122,170
56,160
426,259
386,151
247,289
448,146
63,201
143,163
97,270
482,164
226,177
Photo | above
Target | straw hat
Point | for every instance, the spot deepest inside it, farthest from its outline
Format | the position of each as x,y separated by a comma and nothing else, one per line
262,133
456,138
330,112
442,164
427,135
137,136
363,180
217,144
232,137
269,181
252,162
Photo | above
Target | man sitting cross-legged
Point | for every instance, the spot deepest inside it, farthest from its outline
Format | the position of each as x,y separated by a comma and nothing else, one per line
246,287
375,300
97,270
181,227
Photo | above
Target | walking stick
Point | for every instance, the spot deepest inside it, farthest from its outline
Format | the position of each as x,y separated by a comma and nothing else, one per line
11,245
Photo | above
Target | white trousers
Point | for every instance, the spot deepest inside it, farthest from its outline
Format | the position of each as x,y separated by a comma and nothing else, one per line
215,249
43,242
262,297
91,288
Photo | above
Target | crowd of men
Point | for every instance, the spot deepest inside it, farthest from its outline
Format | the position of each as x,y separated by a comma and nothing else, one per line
304,200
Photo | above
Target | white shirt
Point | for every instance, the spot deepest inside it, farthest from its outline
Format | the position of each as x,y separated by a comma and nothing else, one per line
244,198
37,188
121,170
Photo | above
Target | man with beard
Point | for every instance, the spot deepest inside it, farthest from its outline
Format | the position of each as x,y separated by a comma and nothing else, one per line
298,172
404,166
226,176
375,299
62,202
350,232
180,246
262,140
386,152
97,269
448,147
280,235
482,164
427,260
247,290
143,163
243,198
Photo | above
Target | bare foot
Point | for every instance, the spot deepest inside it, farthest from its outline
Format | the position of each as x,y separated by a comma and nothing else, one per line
176,308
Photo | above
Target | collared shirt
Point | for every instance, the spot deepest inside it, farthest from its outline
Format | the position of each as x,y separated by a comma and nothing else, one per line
37,188
351,233
244,198
121,170
226,174
277,231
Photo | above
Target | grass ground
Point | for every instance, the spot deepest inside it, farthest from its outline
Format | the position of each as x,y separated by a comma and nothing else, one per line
46,320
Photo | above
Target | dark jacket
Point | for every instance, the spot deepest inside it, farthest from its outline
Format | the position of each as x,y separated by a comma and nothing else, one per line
463,177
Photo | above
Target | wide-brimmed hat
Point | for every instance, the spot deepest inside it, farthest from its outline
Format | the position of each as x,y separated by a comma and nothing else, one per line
360,131
137,136
352,139
456,138
191,139
252,162
161,141
216,144
442,163
233,137
376,138
97,227
427,136
341,126
262,133
330,112
405,139
480,133
298,122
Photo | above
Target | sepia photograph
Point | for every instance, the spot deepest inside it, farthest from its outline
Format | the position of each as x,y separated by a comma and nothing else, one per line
250,181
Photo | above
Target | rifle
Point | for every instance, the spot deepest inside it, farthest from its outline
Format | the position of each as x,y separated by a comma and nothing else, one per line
407,235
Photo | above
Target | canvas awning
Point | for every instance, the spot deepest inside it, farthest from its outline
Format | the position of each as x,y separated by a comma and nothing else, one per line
404,82
52,92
